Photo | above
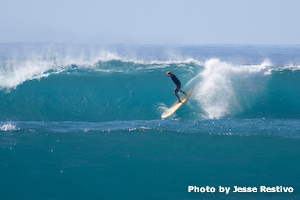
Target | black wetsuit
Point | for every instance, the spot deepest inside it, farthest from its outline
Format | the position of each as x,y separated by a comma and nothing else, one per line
177,82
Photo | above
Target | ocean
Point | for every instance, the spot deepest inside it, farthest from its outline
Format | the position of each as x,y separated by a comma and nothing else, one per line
84,122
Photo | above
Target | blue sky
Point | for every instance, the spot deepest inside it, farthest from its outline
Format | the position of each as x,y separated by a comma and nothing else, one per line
151,21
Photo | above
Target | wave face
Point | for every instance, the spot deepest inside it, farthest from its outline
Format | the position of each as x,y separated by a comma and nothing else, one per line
82,83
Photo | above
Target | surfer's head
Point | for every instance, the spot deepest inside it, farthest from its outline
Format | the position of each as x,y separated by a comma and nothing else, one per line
169,73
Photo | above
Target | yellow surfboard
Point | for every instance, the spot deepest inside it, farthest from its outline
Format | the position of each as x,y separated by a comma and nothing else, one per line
177,105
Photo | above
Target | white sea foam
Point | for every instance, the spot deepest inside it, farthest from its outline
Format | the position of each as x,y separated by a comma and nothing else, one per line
219,84
15,72
288,67
8,127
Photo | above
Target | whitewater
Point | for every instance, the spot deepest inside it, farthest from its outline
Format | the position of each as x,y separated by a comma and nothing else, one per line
83,121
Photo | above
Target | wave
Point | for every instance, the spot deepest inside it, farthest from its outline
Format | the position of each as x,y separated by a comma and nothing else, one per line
130,91
15,72
105,86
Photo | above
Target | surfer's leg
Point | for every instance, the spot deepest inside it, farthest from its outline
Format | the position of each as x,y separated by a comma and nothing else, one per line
182,91
177,97
175,92
178,88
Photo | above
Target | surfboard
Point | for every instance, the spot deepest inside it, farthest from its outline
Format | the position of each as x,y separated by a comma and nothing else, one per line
177,105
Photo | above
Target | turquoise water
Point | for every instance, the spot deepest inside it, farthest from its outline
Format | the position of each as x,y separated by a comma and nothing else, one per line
83,122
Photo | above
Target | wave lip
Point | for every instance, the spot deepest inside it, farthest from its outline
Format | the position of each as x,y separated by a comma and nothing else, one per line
16,71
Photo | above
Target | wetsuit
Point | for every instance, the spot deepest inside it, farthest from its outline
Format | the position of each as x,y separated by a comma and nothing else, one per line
176,81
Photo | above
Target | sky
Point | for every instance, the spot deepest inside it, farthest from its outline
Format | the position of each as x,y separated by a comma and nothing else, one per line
192,22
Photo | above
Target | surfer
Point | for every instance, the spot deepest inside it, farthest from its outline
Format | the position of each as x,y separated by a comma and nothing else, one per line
177,83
